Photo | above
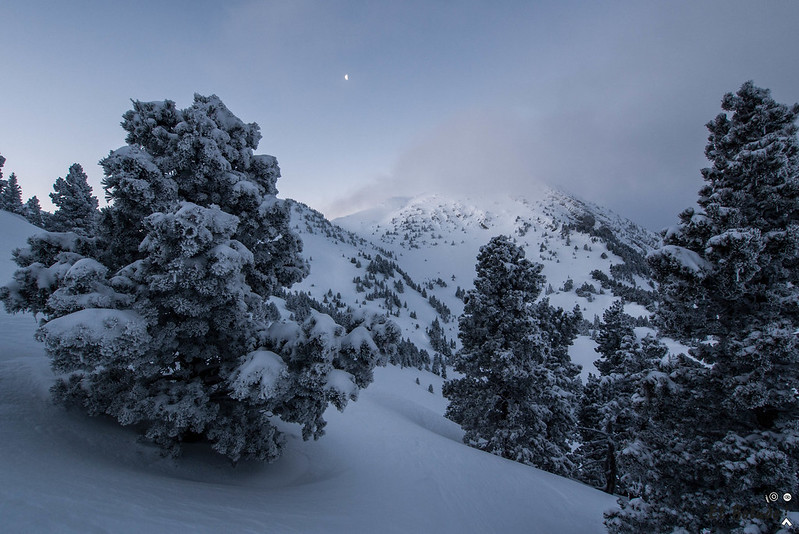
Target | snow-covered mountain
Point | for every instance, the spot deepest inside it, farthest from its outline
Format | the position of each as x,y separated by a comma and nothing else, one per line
390,463
434,235
391,460
413,258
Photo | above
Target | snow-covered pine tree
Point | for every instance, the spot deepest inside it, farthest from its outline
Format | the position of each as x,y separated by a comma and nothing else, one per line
162,321
516,397
45,264
11,196
77,207
606,415
596,458
597,455
33,212
616,326
721,430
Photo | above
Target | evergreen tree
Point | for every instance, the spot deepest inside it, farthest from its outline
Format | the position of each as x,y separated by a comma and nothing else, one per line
11,196
33,212
161,320
721,429
616,326
606,415
516,397
77,207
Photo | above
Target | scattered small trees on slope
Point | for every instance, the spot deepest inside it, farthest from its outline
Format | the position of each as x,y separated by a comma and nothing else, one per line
11,200
721,430
517,394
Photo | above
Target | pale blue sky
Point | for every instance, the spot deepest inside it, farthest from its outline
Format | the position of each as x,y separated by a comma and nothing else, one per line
604,99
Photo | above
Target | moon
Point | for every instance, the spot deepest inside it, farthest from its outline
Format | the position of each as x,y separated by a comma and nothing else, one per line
346,77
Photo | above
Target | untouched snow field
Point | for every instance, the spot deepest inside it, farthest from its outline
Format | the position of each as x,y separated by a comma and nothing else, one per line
390,463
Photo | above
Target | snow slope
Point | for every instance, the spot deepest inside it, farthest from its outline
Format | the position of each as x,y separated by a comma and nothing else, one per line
440,236
434,236
435,240
390,463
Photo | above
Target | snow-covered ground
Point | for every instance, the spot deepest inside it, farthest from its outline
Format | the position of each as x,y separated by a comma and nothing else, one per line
390,463
435,236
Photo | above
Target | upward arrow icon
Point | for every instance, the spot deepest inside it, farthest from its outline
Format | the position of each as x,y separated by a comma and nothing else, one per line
786,522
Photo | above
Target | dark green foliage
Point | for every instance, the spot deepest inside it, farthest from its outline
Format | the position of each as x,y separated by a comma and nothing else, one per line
585,223
442,309
516,397
606,415
409,355
437,338
641,296
301,304
11,196
77,207
33,212
44,267
616,326
722,429
379,265
586,290
460,293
